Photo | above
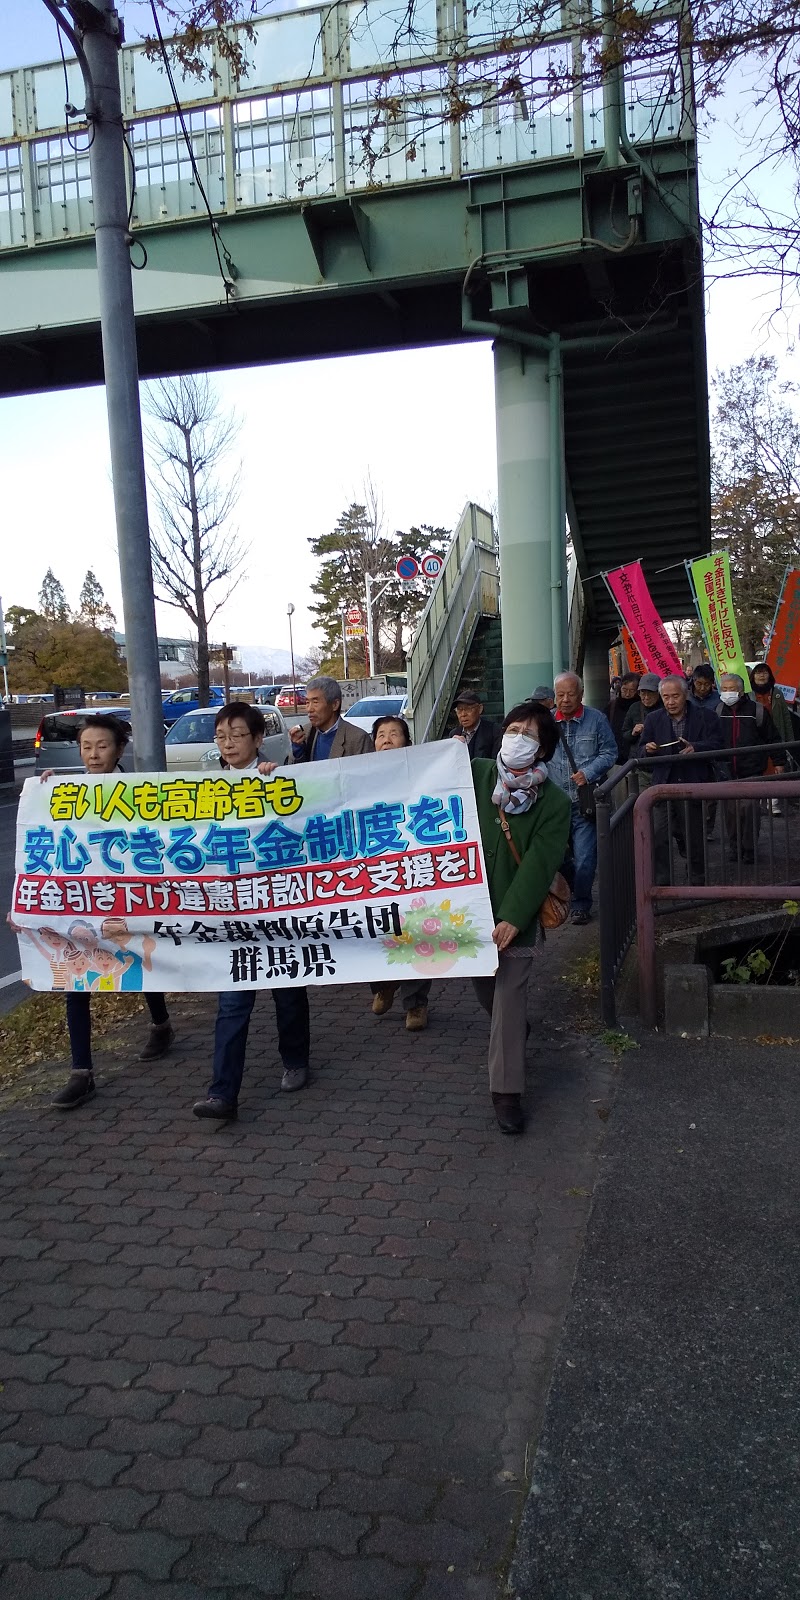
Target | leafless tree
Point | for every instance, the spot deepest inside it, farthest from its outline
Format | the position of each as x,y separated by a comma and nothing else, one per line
193,493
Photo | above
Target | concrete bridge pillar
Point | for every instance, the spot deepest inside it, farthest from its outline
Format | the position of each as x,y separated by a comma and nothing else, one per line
596,686
530,479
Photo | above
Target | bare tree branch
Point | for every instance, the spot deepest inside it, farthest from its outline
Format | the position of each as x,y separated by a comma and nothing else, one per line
194,494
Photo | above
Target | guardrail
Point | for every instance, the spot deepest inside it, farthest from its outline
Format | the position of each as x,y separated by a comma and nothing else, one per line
335,100
716,873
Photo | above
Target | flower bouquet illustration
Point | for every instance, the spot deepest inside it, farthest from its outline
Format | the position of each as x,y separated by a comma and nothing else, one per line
433,938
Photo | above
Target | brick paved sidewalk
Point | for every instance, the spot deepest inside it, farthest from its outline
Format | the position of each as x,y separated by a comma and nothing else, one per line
302,1355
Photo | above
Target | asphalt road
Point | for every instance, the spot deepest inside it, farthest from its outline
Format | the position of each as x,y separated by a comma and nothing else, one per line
10,993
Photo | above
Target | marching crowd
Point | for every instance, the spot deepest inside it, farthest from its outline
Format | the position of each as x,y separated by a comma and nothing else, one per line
535,777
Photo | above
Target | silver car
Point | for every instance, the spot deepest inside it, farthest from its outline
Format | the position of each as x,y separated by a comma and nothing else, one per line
56,742
190,741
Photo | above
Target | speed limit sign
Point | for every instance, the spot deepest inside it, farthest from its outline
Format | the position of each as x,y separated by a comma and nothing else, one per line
431,564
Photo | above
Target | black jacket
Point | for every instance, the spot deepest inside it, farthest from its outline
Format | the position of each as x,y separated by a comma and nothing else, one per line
702,730
617,711
485,741
747,723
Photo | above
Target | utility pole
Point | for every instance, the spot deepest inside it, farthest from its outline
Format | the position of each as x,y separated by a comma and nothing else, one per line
98,29
343,620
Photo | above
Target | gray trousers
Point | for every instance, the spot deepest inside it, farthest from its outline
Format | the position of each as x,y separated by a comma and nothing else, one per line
413,991
505,998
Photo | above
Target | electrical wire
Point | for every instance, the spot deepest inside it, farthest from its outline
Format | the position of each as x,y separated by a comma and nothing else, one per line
137,266
220,248
69,109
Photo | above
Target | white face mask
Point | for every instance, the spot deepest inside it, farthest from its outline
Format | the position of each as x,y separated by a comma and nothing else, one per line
729,697
519,750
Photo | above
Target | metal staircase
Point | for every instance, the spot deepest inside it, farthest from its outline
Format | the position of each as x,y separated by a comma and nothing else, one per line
467,588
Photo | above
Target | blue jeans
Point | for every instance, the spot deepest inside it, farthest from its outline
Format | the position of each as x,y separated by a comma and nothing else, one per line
581,863
230,1036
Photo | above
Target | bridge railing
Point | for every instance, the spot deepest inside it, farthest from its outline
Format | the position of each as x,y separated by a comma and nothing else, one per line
336,100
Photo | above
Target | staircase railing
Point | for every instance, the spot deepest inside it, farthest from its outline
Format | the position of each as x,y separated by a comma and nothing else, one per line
467,588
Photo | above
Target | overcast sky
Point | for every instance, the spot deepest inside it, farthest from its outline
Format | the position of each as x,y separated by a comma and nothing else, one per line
420,422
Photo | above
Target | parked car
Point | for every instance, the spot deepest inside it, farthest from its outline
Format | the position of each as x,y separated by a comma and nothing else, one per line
365,712
266,694
190,741
56,742
291,699
180,701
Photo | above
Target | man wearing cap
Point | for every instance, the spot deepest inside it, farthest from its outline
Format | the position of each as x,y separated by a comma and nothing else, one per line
545,695
646,700
481,736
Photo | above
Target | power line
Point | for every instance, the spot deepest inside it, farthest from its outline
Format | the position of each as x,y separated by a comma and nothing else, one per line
229,279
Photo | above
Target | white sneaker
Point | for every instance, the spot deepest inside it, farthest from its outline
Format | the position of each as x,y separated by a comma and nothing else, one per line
776,807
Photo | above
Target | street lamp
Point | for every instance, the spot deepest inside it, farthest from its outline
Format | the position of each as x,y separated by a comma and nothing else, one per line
290,614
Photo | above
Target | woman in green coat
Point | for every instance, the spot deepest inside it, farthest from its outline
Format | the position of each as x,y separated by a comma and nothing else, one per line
524,821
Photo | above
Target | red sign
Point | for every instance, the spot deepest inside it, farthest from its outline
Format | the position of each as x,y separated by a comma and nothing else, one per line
783,655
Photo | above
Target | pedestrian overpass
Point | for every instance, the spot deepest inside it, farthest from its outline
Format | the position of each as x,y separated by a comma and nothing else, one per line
377,185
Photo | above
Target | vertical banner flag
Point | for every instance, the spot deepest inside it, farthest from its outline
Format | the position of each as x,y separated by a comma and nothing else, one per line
633,656
711,580
331,872
783,650
632,598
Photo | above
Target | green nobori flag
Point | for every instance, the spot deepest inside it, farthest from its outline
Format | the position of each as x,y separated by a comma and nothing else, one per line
711,581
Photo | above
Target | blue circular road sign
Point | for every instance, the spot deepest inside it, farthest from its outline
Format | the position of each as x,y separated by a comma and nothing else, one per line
407,568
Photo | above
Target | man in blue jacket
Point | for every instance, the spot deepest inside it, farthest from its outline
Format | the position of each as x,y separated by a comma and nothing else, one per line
585,753
688,734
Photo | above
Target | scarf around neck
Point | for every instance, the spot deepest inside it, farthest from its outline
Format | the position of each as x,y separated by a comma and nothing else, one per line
516,792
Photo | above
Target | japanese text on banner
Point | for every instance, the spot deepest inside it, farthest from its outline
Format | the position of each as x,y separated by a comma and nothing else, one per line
634,603
157,881
711,579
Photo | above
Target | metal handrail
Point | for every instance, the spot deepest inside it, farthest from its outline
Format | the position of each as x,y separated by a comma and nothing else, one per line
466,588
617,880
648,892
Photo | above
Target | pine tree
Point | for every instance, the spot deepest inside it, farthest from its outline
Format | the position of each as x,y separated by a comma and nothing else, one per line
52,599
93,607
358,545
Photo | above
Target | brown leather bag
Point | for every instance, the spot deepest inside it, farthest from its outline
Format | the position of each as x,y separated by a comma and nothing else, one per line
554,910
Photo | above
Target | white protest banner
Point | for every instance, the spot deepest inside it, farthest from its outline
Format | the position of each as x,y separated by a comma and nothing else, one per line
328,872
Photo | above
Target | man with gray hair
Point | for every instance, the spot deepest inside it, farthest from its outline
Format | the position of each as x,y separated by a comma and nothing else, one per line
745,723
330,735
686,733
585,753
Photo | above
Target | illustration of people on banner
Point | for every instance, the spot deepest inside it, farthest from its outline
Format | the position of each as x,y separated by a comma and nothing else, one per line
340,872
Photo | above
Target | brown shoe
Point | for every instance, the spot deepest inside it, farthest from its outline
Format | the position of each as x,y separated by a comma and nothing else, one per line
508,1111
384,999
416,1018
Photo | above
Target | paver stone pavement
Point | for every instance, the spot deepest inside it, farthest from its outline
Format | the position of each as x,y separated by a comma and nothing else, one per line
304,1354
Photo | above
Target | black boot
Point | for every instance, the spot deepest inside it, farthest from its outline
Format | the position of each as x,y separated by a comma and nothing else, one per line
160,1041
78,1088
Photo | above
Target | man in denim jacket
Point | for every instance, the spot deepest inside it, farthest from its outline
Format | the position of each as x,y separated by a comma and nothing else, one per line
594,751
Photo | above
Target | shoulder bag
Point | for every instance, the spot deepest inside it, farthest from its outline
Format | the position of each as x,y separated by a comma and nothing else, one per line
554,910
585,791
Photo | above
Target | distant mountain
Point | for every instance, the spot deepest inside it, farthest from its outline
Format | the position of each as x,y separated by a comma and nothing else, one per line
259,658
